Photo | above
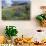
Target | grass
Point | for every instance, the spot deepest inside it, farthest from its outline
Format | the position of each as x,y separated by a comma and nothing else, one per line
13,13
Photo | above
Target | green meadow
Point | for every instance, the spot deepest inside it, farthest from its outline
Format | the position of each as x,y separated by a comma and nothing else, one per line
20,12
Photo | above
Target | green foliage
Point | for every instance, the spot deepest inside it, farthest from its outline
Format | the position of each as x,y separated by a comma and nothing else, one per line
22,12
11,31
45,16
41,17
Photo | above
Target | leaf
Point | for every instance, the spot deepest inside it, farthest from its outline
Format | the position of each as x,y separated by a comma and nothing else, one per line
11,32
40,18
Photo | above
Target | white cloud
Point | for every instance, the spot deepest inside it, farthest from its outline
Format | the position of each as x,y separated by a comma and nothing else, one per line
9,1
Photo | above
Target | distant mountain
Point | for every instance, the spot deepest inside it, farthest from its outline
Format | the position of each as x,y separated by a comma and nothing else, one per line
5,4
25,3
19,3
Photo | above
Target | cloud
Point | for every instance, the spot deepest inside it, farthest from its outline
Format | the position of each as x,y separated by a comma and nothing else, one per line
8,1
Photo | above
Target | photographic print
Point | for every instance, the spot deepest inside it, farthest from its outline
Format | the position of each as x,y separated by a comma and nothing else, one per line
15,10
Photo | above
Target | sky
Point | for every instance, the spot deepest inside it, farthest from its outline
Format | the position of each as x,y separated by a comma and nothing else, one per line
9,2
21,0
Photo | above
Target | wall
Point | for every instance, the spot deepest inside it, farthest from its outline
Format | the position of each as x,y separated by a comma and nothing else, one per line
25,27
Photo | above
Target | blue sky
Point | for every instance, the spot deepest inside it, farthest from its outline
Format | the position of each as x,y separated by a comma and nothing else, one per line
20,0
9,2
